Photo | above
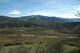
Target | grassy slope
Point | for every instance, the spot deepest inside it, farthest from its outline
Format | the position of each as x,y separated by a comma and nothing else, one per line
68,48
33,38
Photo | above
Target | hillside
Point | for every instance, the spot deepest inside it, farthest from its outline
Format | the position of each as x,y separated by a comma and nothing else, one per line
38,21
39,34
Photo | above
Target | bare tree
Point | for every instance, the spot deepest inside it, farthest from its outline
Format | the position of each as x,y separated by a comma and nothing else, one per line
78,14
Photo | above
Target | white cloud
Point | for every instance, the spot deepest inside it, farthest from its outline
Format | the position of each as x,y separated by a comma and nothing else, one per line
14,12
76,7
67,16
54,14
40,13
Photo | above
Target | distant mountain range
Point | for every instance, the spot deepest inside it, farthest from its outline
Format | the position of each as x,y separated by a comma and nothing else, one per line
43,18
51,19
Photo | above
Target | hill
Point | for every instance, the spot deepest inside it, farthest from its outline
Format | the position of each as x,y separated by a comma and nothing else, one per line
38,21
39,34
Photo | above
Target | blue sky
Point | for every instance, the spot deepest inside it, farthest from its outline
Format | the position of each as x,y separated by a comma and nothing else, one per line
59,8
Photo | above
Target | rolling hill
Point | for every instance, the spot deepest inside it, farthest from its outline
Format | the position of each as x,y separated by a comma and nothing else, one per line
39,20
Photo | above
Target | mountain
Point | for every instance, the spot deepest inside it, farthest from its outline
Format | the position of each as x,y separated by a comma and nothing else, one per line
45,18
75,19
38,20
41,18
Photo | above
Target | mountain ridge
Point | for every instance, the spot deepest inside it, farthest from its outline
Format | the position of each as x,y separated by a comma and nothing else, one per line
44,18
54,18
59,24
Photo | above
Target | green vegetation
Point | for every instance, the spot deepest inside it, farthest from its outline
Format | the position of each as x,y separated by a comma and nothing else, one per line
27,40
18,35
69,48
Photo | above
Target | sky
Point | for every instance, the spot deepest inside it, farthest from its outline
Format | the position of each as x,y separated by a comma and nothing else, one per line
58,8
